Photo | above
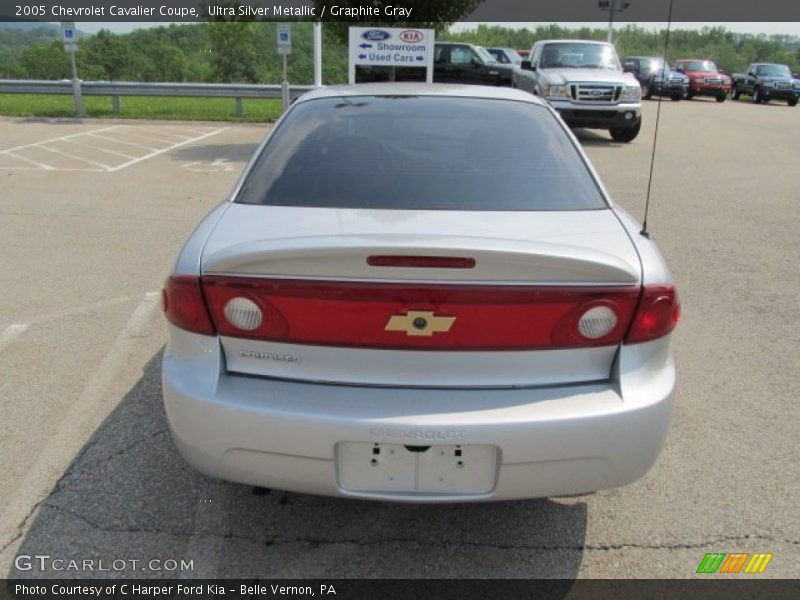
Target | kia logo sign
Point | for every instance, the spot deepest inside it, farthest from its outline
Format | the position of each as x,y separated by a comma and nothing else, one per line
411,35
376,35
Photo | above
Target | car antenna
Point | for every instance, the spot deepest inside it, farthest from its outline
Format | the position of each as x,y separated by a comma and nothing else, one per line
644,231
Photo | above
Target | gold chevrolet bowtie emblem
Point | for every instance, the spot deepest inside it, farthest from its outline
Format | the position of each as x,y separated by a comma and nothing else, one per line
416,322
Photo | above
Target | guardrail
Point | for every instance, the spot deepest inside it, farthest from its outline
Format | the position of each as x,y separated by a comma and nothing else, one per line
117,89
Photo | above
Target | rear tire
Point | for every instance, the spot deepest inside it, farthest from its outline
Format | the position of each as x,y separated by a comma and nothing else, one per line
734,93
647,93
757,96
689,95
721,98
676,97
792,102
627,134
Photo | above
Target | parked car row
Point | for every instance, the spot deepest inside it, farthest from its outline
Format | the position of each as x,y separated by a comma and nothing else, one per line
587,84
696,77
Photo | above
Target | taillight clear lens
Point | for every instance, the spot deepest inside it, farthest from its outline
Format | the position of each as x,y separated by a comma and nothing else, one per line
657,315
597,322
184,305
243,313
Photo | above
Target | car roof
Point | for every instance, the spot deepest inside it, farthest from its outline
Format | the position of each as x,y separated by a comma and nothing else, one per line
598,42
451,90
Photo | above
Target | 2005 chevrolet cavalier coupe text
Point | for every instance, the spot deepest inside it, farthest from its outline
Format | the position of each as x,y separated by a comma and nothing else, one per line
420,293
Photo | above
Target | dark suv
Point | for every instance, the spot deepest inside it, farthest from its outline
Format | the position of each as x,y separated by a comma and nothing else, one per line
453,62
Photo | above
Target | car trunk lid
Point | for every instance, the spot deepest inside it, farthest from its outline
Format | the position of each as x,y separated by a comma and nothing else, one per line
420,298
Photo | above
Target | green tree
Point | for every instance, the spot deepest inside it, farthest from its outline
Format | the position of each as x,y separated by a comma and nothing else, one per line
233,52
158,61
105,55
45,61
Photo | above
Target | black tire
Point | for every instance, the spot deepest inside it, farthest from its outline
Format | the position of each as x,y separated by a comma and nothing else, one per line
689,95
676,97
721,98
627,134
757,99
734,93
647,93
792,102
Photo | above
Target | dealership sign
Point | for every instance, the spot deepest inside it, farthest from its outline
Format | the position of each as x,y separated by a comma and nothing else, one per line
391,47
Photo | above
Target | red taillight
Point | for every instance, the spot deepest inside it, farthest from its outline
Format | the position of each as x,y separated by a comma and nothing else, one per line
424,262
658,313
419,316
184,306
241,308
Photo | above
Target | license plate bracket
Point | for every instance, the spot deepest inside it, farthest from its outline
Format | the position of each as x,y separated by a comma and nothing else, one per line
443,469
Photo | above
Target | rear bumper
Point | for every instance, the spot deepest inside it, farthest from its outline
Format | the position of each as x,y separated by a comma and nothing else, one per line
620,116
551,440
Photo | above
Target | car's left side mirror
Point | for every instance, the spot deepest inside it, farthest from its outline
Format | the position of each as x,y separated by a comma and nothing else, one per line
526,65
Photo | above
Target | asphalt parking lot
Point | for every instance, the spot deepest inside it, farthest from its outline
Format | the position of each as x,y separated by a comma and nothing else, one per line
92,213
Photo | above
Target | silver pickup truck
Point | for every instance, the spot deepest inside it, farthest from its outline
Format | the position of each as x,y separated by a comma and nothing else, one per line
584,82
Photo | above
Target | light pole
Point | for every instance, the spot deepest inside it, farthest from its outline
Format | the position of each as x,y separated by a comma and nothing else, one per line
612,6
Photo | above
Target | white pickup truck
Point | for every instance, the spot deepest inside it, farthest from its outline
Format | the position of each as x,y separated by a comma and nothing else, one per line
584,82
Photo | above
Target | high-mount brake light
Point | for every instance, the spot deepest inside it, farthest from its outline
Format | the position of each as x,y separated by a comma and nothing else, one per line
184,306
423,262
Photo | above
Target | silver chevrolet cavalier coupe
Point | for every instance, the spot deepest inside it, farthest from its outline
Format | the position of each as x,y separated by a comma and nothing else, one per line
420,293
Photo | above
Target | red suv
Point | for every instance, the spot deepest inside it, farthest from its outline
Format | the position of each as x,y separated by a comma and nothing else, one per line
705,79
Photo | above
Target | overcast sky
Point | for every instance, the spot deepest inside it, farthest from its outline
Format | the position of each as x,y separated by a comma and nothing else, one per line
768,28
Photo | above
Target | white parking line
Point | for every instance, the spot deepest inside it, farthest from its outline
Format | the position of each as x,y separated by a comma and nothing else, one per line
74,157
149,137
56,139
76,310
152,154
33,162
11,333
114,152
78,425
121,130
111,139
192,130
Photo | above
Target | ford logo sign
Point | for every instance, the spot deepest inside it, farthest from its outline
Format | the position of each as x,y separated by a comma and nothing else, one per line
376,35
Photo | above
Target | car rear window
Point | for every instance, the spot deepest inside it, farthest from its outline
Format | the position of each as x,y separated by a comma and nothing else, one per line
424,153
